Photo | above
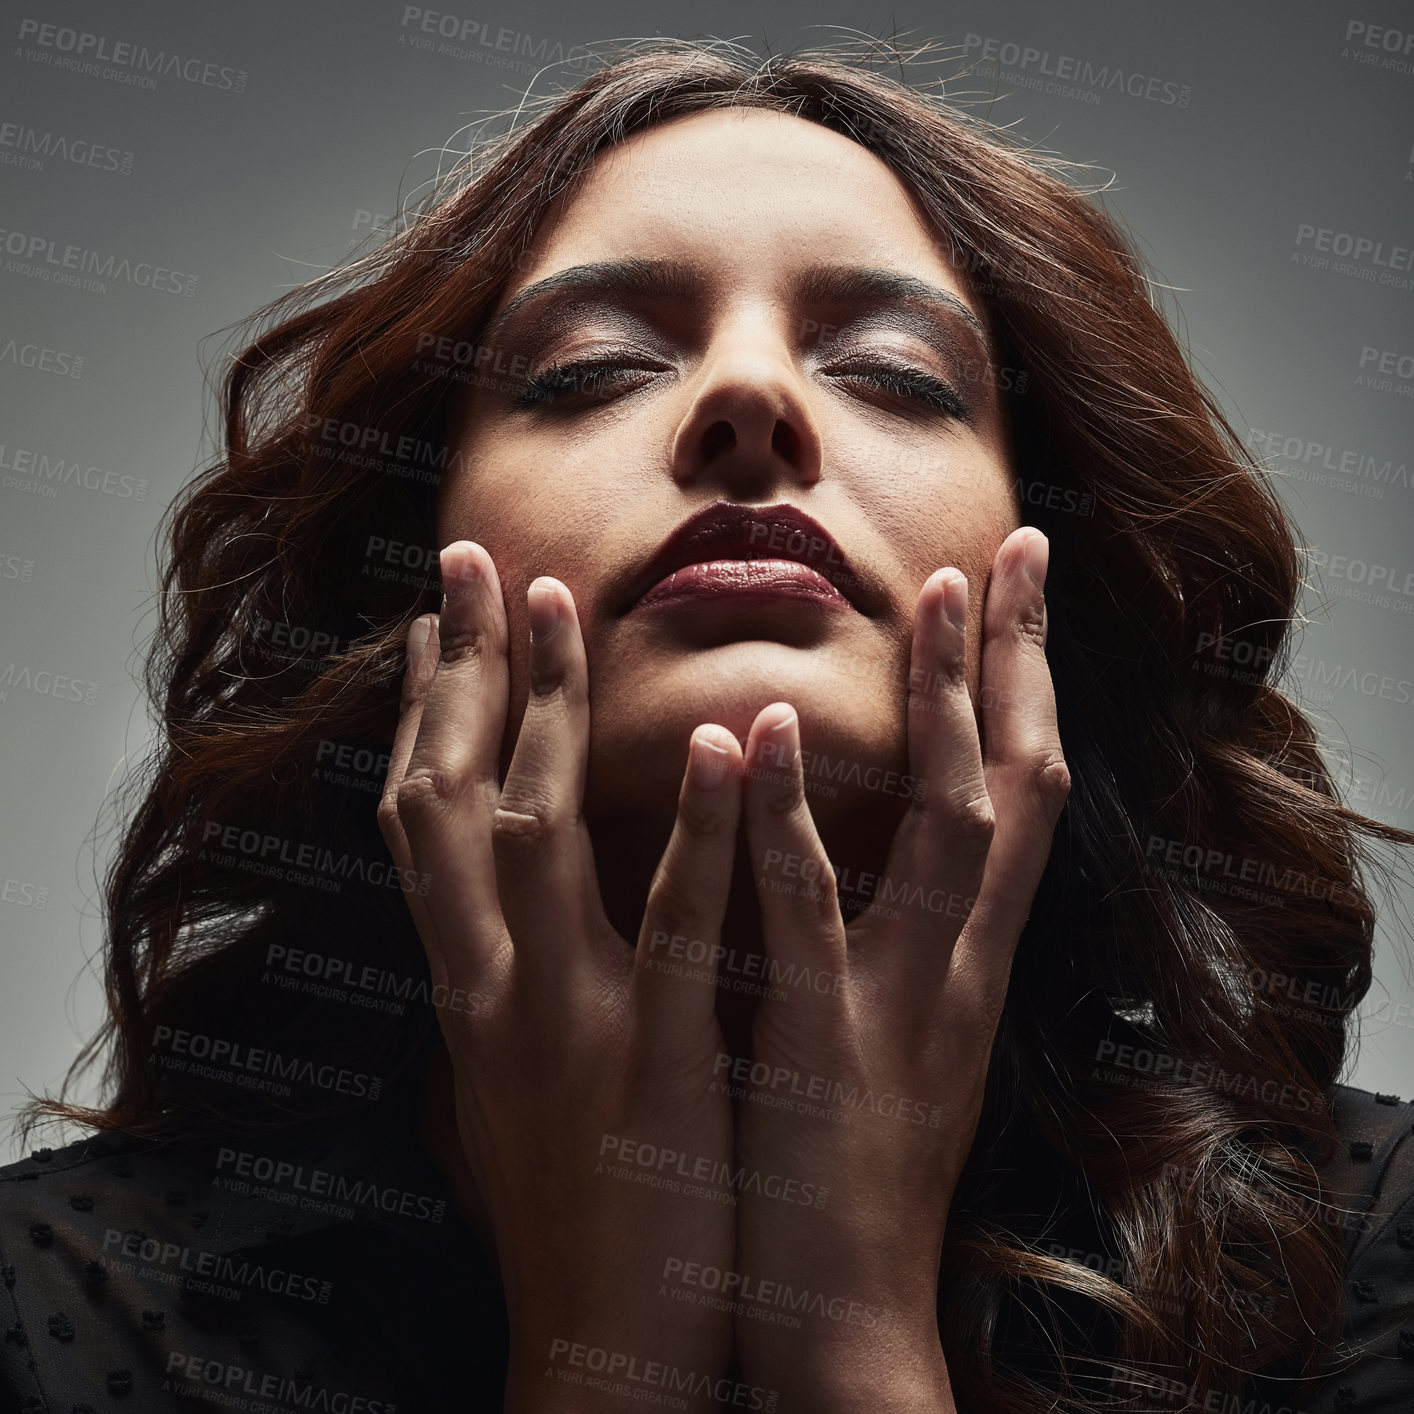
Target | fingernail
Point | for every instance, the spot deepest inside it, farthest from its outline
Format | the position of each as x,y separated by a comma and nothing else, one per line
545,620
1038,554
419,635
955,601
459,569
707,763
781,730
777,746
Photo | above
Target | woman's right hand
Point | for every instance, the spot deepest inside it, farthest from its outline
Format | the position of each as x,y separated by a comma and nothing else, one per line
570,1050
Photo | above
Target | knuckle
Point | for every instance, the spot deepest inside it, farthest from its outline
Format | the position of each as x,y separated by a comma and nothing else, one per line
420,796
783,798
463,646
949,674
520,829
1051,780
973,823
557,690
824,894
387,813
673,905
820,905
698,819
1031,624
943,690
517,824
414,690
815,887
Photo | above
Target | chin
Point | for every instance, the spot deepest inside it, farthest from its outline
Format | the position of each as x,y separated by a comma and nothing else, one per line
853,740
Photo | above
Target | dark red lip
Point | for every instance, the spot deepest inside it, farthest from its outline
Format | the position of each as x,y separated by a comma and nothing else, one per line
728,530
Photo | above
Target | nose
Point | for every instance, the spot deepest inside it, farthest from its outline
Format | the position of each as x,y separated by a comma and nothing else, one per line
749,424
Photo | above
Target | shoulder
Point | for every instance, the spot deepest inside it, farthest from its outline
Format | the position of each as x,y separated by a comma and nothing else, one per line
1371,1171
77,1311
255,1273
1371,1178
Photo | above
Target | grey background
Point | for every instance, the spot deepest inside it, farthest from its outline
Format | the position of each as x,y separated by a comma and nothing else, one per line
341,118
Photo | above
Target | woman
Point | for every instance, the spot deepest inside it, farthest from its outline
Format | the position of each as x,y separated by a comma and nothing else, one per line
816,942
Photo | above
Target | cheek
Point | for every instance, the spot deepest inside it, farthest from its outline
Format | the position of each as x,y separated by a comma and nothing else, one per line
552,503
957,512
518,507
957,516
511,517
935,493
536,512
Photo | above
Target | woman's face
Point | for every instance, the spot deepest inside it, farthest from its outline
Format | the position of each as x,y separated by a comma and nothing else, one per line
770,326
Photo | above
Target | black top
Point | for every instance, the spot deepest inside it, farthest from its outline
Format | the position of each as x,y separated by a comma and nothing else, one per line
313,1274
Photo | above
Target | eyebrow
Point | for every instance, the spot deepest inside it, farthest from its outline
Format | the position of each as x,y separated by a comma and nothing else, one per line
609,280
855,285
604,281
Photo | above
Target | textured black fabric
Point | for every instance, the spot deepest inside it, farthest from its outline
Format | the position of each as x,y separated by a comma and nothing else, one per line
325,1274
1373,1372
330,1272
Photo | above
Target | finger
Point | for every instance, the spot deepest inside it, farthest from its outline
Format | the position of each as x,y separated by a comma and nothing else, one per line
795,884
417,677
1027,777
449,789
544,862
939,852
679,953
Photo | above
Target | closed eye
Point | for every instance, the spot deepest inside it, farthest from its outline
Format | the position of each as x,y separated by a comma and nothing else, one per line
901,381
597,380
591,379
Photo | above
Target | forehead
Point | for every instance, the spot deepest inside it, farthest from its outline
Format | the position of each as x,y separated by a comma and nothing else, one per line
751,192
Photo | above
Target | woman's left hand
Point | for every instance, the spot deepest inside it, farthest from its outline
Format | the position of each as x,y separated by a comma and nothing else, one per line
867,1074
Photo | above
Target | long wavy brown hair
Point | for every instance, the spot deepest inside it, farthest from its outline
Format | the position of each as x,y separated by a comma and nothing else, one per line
1167,1097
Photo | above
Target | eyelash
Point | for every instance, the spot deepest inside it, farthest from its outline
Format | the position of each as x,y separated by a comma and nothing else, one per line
555,380
915,384
552,382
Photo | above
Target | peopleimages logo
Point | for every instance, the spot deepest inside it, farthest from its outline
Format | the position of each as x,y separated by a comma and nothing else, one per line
43,258
232,1271
1062,70
740,1288
1158,1070
62,47
676,1167
1313,460
225,1059
650,1381
462,37
271,853
1322,677
302,1394
46,683
27,148
325,1183
40,474
1369,258
44,360
1219,863
1379,46
781,1087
